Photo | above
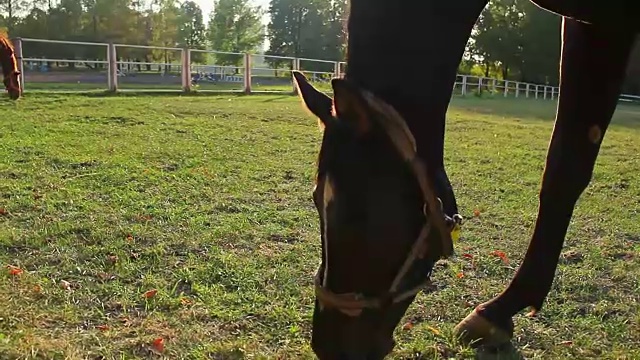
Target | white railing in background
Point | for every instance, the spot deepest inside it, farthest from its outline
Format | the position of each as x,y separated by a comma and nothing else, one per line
464,85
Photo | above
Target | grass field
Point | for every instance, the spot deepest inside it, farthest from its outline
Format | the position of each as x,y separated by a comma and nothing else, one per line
203,203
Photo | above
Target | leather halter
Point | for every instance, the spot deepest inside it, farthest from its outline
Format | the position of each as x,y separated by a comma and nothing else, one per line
353,304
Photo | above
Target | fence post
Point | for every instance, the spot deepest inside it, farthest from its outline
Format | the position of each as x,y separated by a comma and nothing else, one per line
336,69
517,89
295,66
112,72
480,85
536,91
527,96
464,85
247,73
17,46
506,88
186,69
545,92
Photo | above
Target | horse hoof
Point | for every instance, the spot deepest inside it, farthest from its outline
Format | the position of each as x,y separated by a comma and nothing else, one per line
475,330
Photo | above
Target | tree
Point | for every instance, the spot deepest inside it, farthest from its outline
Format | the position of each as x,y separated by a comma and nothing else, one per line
235,26
191,31
632,83
165,31
498,36
309,29
514,39
541,46
10,9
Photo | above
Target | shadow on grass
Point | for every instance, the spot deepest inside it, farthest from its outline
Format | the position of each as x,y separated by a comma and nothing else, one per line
508,352
626,115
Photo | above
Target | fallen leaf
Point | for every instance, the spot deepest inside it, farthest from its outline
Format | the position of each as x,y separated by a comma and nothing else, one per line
37,289
476,212
186,301
14,270
433,330
158,345
3,211
501,255
105,276
102,327
408,326
129,237
65,284
566,342
112,259
468,256
571,257
143,217
150,293
460,275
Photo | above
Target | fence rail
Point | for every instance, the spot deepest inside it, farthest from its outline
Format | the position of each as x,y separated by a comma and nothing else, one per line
115,68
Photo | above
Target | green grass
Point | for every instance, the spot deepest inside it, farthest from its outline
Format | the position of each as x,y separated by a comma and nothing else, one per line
203,86
208,200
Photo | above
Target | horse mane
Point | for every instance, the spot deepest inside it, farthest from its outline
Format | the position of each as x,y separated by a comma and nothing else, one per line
7,55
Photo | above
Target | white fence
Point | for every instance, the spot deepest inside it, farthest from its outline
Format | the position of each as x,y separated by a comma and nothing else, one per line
186,70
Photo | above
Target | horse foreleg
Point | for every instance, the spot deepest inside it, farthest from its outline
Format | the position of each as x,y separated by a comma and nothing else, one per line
592,70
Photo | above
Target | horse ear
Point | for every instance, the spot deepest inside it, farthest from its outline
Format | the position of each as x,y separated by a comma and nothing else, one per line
315,101
350,106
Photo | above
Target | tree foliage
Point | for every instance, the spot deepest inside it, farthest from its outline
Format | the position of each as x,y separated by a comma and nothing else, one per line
512,39
235,26
308,29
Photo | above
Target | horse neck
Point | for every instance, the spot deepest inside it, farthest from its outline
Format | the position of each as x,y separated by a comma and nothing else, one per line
7,57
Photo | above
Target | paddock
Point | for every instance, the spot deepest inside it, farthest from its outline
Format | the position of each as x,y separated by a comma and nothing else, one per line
126,219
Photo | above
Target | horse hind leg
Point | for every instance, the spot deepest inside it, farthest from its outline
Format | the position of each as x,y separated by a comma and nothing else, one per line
593,64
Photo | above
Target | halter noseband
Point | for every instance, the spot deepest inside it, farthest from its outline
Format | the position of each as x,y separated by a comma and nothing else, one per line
353,304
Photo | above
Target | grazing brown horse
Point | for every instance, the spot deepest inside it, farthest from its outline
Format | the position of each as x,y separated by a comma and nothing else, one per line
384,200
10,68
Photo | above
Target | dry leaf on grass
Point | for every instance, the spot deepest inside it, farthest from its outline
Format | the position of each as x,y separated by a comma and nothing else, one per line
65,285
433,330
501,255
14,270
150,293
157,346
